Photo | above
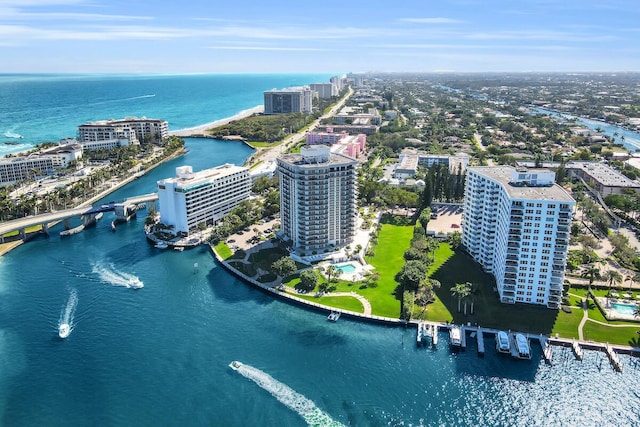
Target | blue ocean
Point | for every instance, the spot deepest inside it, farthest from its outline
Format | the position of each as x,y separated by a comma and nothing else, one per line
160,355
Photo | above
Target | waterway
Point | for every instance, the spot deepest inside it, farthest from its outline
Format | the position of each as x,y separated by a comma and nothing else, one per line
631,140
159,355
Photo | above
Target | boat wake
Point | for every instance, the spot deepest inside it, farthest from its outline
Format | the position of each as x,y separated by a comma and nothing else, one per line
10,134
114,277
313,415
67,315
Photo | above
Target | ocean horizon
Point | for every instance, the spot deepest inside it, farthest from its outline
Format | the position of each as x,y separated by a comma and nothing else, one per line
160,355
37,108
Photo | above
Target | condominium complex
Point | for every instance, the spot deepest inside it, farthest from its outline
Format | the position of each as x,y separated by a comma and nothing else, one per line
13,169
410,159
193,198
127,131
317,198
289,100
324,90
516,224
351,145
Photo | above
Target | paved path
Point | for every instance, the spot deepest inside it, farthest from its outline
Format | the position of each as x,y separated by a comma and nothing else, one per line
585,317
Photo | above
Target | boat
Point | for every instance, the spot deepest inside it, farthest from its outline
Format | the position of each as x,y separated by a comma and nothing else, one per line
99,215
162,245
522,346
64,330
334,316
455,336
502,342
135,283
235,365
178,248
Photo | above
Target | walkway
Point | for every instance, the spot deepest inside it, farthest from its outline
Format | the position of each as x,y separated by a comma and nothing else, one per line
585,317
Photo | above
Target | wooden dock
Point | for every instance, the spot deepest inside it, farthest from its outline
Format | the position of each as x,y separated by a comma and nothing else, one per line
546,348
577,350
463,338
613,358
480,341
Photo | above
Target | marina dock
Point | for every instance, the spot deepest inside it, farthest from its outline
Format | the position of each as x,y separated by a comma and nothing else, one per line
613,358
480,341
577,350
546,348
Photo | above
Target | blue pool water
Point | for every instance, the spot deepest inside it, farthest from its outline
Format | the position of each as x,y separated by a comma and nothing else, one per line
346,268
626,309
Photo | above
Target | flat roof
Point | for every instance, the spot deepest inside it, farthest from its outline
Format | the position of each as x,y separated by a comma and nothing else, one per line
334,159
502,175
604,174
203,176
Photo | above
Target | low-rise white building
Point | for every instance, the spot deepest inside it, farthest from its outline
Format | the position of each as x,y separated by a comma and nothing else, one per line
45,162
132,129
193,198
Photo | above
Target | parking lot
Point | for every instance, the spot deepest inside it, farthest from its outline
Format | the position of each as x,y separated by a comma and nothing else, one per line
244,239
445,219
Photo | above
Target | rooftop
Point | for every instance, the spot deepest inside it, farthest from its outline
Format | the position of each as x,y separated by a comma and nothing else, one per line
503,175
604,174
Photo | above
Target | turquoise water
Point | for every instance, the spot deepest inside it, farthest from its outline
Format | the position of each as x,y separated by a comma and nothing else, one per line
41,108
631,139
627,309
159,355
346,268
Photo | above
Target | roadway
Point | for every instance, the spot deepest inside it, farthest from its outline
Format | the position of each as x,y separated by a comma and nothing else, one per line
271,153
47,218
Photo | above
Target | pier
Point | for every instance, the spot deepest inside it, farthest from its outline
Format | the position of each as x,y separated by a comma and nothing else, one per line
480,341
547,352
613,358
577,350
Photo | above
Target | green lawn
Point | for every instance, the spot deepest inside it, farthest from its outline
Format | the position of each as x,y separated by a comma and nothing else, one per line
626,335
264,258
457,267
246,269
223,250
263,144
388,260
346,303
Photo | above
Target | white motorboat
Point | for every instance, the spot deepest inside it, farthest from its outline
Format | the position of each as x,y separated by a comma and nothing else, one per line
502,342
455,336
235,365
162,245
522,346
334,316
64,330
135,283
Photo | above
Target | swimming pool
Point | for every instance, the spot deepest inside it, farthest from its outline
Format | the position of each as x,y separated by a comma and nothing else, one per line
346,268
626,309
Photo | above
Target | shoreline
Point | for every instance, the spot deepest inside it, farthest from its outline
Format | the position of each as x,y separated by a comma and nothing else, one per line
201,129
9,246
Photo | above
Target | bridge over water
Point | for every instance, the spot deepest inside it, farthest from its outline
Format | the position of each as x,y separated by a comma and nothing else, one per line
122,209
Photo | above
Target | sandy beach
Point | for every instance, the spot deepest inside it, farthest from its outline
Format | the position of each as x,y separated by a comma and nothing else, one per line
199,130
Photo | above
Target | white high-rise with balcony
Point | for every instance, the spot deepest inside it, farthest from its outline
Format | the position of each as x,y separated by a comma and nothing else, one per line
193,198
516,224
317,198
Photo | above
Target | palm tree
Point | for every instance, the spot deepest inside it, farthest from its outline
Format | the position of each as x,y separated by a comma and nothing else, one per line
592,273
460,290
612,277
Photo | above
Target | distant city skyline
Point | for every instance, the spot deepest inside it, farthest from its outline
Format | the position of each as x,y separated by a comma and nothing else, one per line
100,36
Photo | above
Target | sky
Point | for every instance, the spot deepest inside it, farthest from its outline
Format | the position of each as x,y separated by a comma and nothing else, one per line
232,36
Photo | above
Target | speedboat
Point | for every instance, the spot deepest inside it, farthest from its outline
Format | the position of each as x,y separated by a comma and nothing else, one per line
455,336
64,330
502,342
135,283
235,365
522,346
334,316
162,245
